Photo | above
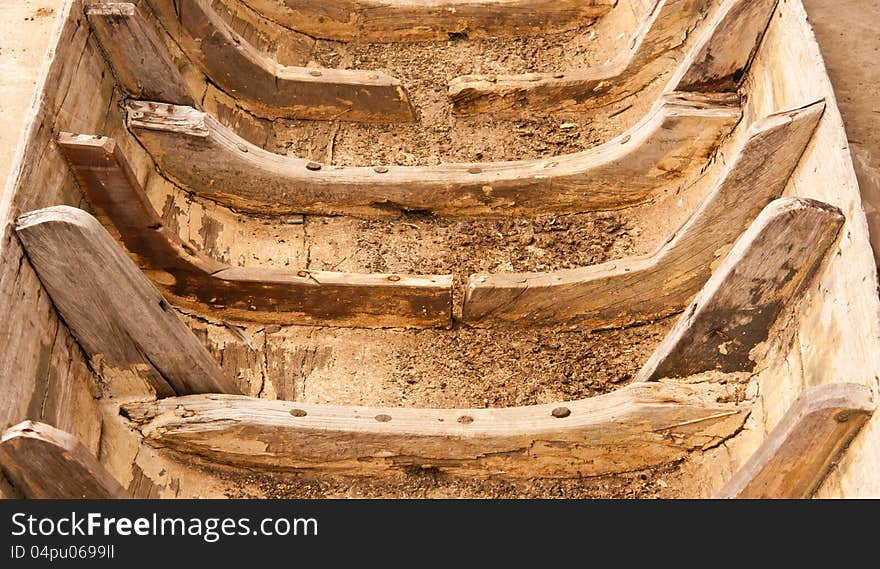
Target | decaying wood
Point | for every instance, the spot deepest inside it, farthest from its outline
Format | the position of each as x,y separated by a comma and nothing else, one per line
663,33
140,61
115,313
46,463
411,20
195,281
195,151
723,56
798,453
271,90
765,271
643,288
640,425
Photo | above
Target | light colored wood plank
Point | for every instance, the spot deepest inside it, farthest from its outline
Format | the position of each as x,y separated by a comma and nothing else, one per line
796,456
139,59
765,272
111,308
658,39
411,20
637,426
195,281
638,289
46,463
196,152
272,90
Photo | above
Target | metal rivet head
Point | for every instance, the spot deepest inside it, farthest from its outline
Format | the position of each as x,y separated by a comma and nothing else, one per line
380,169
315,73
465,419
242,147
393,278
383,418
474,170
561,412
302,274
842,417
313,166
298,413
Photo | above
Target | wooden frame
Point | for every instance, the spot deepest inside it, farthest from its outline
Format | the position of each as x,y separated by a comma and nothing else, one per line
643,288
798,453
200,155
411,20
765,271
271,90
716,65
197,282
635,427
47,463
116,314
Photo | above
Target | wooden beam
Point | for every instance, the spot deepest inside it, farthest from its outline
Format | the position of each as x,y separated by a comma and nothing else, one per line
140,61
413,20
766,271
193,280
643,288
46,463
271,90
118,317
799,452
638,426
662,34
202,156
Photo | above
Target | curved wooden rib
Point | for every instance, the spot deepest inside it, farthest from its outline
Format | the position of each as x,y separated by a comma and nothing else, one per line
201,155
643,288
640,425
716,64
410,20
767,270
195,281
272,90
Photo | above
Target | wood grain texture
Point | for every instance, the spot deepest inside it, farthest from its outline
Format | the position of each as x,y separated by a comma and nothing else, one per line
115,313
658,41
269,89
638,289
411,20
43,462
637,426
797,454
139,59
765,272
677,137
195,281
725,52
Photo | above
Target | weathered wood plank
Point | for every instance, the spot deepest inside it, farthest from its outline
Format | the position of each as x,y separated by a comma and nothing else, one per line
798,453
638,426
411,20
117,316
766,270
195,281
271,90
195,151
139,59
643,288
47,463
662,35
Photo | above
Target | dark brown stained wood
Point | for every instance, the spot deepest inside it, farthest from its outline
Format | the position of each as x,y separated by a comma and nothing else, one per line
46,463
646,287
7,490
798,453
724,54
195,151
197,282
272,90
640,425
412,20
660,37
139,59
118,317
765,271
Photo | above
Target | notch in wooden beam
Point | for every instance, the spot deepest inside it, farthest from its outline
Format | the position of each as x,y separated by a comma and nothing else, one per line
767,270
47,463
799,452
139,59
116,314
